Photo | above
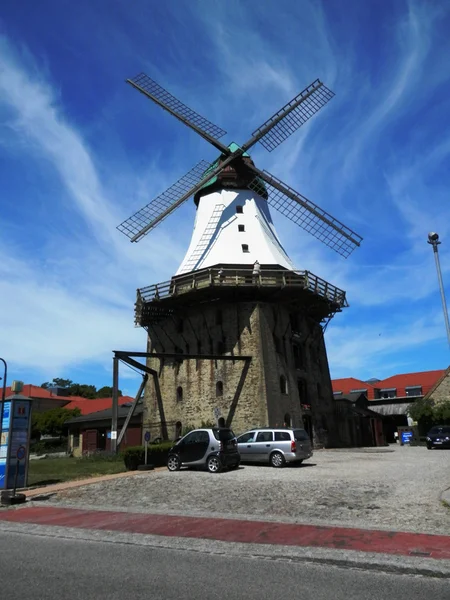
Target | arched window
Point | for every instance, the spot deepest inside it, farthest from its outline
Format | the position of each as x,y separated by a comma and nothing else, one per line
283,384
178,429
221,422
287,420
179,393
219,388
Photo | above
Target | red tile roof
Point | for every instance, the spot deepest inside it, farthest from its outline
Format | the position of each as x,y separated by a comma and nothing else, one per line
33,391
87,406
347,384
425,379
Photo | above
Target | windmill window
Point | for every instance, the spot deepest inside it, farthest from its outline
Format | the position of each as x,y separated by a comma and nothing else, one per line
302,391
179,393
245,248
239,209
180,326
219,318
283,384
178,429
299,359
287,420
220,347
241,227
219,388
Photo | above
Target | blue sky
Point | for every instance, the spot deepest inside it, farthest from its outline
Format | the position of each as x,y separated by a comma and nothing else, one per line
80,151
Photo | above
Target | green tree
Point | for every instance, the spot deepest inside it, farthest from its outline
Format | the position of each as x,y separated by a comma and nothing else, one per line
83,390
64,383
441,412
52,422
106,392
422,410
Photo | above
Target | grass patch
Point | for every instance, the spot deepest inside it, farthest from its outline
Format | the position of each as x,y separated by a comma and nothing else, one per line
56,470
445,504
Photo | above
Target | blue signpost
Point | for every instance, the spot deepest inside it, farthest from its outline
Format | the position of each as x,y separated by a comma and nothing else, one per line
15,424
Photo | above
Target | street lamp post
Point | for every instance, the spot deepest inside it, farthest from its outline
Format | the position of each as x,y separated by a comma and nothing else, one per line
433,239
4,379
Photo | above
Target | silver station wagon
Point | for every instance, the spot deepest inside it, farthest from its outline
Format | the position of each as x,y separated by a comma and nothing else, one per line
275,446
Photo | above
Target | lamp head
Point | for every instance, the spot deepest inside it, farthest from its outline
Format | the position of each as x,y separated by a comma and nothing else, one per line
433,237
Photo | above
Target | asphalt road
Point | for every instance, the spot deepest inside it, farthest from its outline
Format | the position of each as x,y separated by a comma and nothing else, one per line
53,568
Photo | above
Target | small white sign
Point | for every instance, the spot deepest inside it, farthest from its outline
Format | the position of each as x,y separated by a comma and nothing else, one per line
114,435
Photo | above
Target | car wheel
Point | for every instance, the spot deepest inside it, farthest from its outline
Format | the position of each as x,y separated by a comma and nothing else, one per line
233,467
173,463
213,464
277,460
429,446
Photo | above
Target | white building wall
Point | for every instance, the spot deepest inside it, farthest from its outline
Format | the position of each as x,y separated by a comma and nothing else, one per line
216,237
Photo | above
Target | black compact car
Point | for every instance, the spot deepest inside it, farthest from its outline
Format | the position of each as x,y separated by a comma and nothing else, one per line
438,437
214,449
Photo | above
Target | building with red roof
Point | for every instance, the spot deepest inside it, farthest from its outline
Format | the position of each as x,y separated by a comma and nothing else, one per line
88,406
391,397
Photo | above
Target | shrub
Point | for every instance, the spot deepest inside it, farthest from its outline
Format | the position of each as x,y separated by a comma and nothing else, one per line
48,447
135,455
100,455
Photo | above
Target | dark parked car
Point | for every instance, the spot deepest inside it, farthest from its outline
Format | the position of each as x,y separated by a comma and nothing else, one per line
214,449
438,437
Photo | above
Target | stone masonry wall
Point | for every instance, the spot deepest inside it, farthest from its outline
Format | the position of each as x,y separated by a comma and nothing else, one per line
263,331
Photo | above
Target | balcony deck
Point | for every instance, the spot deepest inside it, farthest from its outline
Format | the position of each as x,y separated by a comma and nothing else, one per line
296,288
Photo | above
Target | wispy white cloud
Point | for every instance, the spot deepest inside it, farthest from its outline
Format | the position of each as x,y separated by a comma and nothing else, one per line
71,302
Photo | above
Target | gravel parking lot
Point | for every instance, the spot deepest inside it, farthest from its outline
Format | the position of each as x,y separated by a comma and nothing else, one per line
397,488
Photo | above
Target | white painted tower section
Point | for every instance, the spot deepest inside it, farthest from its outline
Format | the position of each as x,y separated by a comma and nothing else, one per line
233,227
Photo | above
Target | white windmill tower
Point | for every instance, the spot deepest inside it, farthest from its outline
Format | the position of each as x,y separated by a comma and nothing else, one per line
236,294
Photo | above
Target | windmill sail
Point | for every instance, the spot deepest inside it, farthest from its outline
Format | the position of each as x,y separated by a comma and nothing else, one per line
144,84
152,214
308,215
292,116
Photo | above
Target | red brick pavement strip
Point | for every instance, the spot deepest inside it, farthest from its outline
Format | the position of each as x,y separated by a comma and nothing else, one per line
230,530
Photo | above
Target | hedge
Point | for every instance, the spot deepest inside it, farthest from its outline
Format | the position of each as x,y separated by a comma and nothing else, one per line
135,455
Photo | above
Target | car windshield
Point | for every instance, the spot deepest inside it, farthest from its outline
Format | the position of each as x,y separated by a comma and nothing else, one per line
300,435
435,430
224,435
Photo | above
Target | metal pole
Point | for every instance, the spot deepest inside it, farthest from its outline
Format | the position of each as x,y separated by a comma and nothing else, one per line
433,239
4,380
115,405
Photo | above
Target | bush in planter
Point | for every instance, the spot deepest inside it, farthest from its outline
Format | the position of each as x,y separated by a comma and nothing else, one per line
135,455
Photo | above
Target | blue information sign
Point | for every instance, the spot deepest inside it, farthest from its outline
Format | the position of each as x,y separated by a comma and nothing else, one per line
147,436
406,436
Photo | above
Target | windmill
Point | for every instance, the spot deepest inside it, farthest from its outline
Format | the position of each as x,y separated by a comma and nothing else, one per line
235,260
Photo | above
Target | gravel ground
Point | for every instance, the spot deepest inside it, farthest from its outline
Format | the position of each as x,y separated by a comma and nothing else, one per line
387,490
